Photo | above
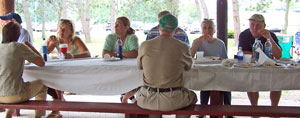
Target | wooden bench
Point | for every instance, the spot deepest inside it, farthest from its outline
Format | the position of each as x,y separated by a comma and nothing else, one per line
215,110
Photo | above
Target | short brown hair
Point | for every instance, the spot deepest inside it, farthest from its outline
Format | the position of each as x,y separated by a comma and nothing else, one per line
160,14
11,32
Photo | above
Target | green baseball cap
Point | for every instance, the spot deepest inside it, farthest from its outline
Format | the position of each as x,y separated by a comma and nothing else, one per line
168,22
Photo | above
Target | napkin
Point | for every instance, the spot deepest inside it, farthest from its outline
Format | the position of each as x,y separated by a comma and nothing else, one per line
264,59
106,57
228,62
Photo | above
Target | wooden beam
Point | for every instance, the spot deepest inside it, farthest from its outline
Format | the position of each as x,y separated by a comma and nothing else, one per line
6,6
222,20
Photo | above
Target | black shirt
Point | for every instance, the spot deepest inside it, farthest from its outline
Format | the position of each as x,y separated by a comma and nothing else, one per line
246,40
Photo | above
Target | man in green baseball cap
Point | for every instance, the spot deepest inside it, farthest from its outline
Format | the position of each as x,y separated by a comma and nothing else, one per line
163,61
168,22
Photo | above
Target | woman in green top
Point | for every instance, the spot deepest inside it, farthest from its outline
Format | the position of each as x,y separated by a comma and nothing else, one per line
129,39
130,45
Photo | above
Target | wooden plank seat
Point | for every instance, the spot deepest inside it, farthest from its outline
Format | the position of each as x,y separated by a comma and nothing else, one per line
215,110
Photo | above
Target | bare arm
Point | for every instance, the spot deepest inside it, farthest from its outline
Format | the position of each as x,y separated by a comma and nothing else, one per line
51,43
194,47
84,52
130,54
39,61
108,52
276,50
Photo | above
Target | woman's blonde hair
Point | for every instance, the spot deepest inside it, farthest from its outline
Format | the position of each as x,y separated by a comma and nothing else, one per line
126,22
70,25
11,32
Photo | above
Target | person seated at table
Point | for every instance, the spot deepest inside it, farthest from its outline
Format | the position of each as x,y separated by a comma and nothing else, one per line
211,47
129,39
66,35
25,36
246,40
179,35
76,49
130,45
13,88
163,60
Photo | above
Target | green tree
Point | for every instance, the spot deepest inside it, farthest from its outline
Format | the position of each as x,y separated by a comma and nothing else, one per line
259,5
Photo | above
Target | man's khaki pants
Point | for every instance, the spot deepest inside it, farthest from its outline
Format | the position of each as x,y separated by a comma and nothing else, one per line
165,101
36,89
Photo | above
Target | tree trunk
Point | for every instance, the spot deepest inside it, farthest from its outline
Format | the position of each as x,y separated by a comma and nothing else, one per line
27,18
286,17
112,15
85,20
204,8
64,9
198,11
6,6
43,19
236,20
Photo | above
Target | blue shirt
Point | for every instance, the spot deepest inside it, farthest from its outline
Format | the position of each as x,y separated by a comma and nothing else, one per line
180,35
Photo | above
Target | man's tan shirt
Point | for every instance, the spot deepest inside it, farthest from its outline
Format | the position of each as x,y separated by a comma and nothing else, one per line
163,60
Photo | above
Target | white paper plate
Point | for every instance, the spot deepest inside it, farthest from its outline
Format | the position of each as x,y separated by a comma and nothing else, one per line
208,60
244,65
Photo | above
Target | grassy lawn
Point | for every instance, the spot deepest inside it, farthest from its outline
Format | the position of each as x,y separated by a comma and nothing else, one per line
98,39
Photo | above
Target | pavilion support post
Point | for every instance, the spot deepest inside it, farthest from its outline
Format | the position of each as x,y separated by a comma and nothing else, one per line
222,20
222,14
6,6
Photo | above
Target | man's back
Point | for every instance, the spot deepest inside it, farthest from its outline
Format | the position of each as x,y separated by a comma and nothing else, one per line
163,60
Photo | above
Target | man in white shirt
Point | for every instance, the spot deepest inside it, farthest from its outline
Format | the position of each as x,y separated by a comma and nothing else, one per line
25,36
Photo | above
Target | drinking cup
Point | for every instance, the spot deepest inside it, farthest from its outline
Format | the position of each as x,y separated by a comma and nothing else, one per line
63,48
247,58
199,55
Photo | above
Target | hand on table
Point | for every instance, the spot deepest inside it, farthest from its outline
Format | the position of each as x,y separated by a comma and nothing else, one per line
69,56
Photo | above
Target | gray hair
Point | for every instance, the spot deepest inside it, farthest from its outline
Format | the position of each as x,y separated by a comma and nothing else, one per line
210,21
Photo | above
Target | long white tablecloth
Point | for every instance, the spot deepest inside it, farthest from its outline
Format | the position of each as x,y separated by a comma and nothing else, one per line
99,77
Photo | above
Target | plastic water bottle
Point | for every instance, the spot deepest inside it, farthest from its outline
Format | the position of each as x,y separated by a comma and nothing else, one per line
268,48
257,44
119,48
44,49
240,55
